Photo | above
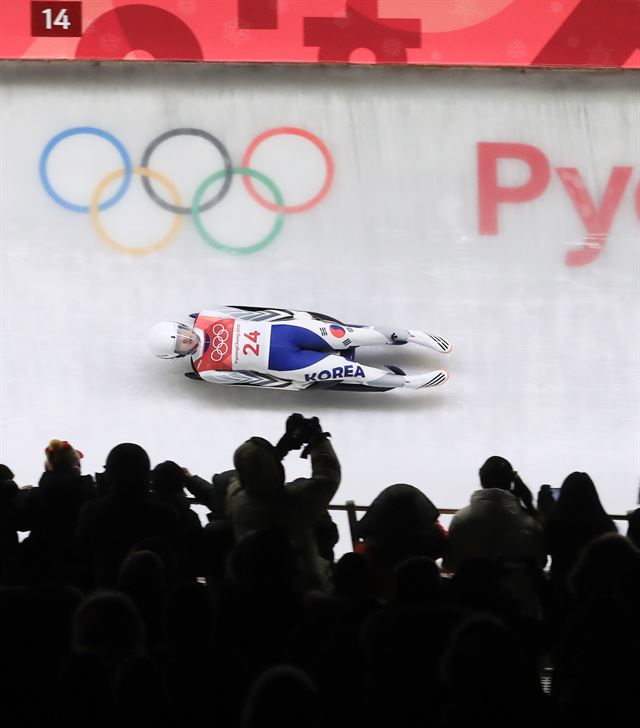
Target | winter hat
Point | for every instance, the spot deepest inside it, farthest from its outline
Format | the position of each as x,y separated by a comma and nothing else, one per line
61,455
258,466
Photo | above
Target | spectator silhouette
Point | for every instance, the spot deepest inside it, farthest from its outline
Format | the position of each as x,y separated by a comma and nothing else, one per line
258,497
327,536
35,634
197,665
491,679
633,529
352,577
327,643
261,603
8,527
403,648
400,523
283,696
498,522
50,512
416,582
216,543
107,631
142,578
576,519
111,525
594,681
608,566
508,590
168,483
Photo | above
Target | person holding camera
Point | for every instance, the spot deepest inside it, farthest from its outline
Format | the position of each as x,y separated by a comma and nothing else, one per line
258,497
499,522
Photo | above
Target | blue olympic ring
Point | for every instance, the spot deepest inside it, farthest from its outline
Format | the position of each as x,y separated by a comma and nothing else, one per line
176,207
126,179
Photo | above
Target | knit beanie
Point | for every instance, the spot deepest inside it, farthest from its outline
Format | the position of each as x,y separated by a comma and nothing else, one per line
61,455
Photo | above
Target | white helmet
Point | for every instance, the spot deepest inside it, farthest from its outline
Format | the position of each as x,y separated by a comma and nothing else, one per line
171,339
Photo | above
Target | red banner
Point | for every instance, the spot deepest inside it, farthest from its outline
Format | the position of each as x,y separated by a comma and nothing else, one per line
574,33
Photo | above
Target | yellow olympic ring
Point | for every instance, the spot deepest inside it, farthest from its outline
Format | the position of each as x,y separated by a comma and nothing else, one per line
121,247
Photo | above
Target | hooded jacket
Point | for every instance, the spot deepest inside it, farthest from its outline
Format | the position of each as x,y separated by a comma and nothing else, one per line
493,525
294,507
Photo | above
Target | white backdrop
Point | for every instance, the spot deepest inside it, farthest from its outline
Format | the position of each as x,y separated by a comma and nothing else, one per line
546,359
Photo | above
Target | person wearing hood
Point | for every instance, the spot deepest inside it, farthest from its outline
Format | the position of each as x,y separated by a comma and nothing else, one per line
499,522
258,497
401,523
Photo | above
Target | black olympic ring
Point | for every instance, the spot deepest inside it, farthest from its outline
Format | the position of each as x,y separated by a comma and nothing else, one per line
228,169
197,207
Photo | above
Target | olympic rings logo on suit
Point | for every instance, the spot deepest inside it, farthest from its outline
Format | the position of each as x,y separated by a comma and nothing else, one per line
175,204
219,348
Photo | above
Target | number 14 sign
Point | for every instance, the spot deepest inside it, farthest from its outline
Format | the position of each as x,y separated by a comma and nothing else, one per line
56,19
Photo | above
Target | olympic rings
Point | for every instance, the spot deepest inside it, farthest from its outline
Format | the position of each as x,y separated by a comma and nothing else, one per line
220,332
120,247
188,132
195,211
44,176
246,161
175,205
219,349
219,354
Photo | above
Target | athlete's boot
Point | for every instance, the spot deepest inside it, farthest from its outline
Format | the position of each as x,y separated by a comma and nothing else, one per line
431,341
429,379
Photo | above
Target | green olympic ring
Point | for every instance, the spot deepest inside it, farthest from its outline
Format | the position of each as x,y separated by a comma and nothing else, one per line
271,186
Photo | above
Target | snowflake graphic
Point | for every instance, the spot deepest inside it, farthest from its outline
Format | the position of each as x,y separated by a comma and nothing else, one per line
556,7
517,49
573,41
110,42
188,7
236,36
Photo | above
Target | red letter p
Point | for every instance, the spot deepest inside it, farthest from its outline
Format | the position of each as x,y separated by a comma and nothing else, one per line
490,194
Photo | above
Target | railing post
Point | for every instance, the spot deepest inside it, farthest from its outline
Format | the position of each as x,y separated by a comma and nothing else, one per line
353,520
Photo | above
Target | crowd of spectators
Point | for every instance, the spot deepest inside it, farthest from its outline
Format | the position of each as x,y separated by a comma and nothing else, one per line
121,607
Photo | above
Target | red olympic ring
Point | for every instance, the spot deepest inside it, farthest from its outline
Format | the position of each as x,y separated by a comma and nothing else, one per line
305,135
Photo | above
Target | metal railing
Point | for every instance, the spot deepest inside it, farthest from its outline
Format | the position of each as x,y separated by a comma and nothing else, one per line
352,514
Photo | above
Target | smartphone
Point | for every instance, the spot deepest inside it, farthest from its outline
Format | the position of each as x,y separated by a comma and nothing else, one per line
555,492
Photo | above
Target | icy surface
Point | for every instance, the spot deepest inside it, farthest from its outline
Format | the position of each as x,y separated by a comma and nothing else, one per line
545,369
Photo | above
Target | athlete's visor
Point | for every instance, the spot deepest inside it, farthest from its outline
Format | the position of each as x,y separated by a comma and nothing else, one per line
187,341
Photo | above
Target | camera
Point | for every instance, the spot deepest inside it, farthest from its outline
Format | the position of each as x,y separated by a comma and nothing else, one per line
303,429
